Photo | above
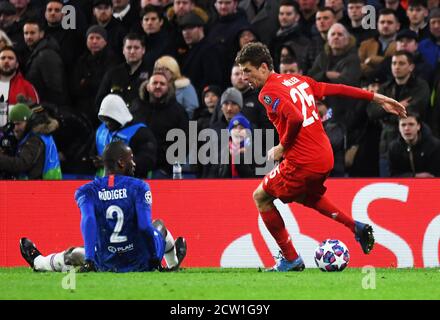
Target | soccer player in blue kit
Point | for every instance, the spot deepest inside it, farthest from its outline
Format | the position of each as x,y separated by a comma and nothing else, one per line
117,228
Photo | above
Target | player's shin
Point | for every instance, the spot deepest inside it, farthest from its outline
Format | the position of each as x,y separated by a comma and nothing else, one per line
52,262
325,207
275,224
170,251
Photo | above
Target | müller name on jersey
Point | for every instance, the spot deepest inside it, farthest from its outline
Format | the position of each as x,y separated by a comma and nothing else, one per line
106,195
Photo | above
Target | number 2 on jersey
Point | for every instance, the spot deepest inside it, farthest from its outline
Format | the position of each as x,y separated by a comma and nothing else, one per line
307,101
115,237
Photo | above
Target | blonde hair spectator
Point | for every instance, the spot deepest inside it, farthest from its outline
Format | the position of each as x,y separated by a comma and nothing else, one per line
185,93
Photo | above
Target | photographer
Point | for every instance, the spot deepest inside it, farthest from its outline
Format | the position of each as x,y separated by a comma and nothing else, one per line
36,156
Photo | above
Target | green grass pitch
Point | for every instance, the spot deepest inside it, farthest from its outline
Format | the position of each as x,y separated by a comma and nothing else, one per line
224,284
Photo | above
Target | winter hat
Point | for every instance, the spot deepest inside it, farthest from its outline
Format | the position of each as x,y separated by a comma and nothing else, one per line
214,89
97,29
435,13
232,95
19,112
239,119
114,107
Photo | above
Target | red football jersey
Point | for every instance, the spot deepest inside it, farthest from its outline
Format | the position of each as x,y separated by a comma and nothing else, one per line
290,104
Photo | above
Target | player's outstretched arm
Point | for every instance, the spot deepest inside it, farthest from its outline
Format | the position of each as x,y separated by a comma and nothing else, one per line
390,105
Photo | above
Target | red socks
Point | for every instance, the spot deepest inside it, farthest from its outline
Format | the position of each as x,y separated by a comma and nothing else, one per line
325,207
275,224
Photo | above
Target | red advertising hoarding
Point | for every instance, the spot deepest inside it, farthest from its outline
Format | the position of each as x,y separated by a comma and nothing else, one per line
223,229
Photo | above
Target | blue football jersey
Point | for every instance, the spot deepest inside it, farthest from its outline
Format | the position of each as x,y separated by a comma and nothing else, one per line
125,237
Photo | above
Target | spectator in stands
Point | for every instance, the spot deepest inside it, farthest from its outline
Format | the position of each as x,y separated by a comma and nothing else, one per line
409,90
354,10
373,51
8,25
126,12
44,67
337,135
156,106
263,16
289,65
223,33
175,12
89,72
339,9
407,40
36,156
126,78
118,124
70,41
338,63
231,104
309,9
103,13
13,84
417,13
240,163
197,62
399,11
209,101
290,30
245,36
158,40
416,152
186,95
325,18
430,47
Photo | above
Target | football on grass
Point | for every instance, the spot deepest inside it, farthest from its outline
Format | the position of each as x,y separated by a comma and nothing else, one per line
332,255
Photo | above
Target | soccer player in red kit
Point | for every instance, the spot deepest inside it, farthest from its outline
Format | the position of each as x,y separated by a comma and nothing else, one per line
304,150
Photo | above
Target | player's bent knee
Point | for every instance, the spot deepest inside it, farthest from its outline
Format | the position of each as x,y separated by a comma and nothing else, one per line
262,200
160,226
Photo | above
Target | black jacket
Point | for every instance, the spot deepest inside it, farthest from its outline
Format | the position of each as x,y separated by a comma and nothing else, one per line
118,80
202,65
45,70
160,118
424,156
86,79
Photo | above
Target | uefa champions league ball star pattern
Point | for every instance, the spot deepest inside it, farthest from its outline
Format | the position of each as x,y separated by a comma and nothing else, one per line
332,255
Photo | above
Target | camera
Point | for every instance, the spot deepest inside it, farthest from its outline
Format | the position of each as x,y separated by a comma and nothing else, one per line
8,142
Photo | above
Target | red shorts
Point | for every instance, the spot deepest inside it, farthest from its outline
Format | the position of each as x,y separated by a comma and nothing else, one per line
288,182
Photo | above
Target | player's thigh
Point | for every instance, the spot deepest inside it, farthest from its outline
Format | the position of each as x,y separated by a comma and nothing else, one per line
285,182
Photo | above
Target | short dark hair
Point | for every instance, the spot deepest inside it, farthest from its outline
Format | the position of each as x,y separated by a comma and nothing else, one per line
408,55
418,3
59,1
290,3
256,53
388,11
288,60
414,115
151,8
357,1
134,36
324,9
9,48
35,21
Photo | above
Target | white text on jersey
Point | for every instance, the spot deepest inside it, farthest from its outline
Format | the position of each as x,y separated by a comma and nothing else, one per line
106,195
290,82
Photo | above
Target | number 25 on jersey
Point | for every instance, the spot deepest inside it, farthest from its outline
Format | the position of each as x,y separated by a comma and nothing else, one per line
307,103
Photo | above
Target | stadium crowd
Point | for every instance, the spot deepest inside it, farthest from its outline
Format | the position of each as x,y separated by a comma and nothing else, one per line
89,72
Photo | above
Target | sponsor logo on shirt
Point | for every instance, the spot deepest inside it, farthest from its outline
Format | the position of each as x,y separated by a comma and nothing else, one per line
275,104
148,197
124,249
267,100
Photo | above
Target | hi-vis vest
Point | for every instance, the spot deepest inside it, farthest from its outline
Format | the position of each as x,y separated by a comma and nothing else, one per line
52,168
104,137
